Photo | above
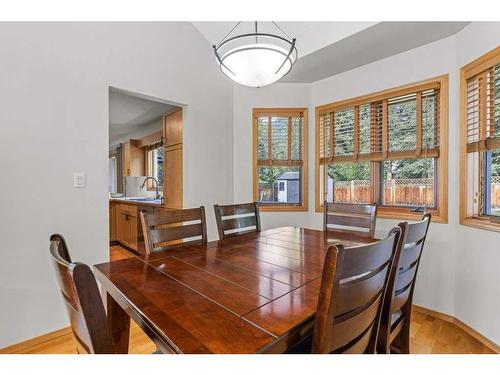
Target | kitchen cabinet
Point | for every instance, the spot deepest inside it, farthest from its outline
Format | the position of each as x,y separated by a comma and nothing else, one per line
128,231
112,221
172,129
123,225
173,150
172,189
133,159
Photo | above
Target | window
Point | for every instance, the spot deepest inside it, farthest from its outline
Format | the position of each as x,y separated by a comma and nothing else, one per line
280,159
480,152
154,161
388,148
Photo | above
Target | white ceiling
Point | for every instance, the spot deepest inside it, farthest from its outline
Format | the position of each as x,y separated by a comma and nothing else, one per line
310,36
375,43
127,112
329,48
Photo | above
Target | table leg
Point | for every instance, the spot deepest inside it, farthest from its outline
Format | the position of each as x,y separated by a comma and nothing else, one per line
119,323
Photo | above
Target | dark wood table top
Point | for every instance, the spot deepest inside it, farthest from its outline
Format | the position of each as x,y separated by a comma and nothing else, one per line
247,294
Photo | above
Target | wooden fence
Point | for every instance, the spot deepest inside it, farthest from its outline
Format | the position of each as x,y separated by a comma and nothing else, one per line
355,191
397,192
268,193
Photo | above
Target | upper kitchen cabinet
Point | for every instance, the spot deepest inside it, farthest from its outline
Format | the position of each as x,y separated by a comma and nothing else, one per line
133,159
173,129
173,180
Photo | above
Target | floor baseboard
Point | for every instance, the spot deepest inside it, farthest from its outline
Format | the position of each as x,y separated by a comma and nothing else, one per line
449,318
25,345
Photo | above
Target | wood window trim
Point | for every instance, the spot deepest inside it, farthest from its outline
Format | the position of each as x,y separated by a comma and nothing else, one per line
470,70
440,213
281,112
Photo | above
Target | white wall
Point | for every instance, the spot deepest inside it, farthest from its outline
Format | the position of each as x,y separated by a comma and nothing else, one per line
54,121
478,260
459,274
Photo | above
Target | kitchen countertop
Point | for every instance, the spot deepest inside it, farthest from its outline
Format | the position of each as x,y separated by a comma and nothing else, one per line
136,203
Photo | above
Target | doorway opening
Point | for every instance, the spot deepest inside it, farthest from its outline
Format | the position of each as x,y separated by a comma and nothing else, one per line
144,162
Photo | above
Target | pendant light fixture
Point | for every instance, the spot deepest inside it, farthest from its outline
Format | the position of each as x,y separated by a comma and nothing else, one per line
256,59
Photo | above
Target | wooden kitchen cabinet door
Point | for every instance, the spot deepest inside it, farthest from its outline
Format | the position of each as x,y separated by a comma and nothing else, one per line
112,221
122,226
133,159
132,223
172,129
173,188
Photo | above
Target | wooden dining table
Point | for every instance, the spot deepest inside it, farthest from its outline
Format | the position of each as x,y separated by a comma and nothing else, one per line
253,293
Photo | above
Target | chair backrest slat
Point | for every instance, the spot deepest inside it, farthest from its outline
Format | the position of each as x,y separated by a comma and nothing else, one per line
399,296
166,217
239,223
341,217
170,228
353,295
236,219
82,300
352,290
366,258
167,234
348,330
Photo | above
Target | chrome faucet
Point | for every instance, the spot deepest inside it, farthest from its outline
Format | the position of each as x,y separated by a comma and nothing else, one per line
156,186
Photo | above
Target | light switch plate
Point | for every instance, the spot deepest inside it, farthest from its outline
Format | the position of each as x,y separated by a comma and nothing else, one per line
79,180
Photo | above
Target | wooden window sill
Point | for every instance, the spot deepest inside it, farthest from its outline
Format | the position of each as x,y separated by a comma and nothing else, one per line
282,208
481,223
405,214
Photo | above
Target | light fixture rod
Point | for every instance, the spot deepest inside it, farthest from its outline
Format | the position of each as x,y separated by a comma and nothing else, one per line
287,56
280,29
229,33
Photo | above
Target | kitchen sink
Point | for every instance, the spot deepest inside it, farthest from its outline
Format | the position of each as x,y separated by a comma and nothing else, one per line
144,199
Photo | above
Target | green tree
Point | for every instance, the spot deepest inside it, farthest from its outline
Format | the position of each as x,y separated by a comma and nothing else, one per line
349,171
410,168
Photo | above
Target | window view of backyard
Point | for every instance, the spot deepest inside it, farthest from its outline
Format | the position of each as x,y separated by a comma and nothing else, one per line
279,159
157,160
492,183
396,138
403,183
408,182
348,183
279,185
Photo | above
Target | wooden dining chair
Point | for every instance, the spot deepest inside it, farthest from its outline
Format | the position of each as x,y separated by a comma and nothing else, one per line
236,219
394,334
351,294
167,229
344,219
82,300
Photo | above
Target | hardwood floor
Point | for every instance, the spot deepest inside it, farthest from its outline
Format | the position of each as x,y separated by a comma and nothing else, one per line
428,335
